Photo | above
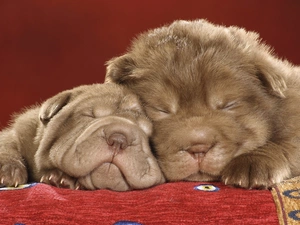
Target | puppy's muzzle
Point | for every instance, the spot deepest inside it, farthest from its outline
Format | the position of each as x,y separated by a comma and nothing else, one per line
114,153
120,136
201,141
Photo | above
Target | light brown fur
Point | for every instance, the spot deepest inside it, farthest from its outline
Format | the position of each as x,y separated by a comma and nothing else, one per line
223,106
89,137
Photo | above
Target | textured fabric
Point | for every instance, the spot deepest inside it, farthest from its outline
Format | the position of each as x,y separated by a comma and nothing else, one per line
287,199
172,203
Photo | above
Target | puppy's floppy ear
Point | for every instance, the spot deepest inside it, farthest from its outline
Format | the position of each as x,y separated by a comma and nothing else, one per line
53,105
272,73
120,69
271,70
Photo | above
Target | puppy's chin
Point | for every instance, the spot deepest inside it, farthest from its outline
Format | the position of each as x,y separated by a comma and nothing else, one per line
106,176
185,166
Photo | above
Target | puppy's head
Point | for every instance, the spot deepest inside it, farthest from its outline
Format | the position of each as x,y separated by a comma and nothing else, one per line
99,135
210,91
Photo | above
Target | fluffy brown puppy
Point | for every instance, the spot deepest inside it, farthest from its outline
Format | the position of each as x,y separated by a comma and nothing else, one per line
223,106
90,137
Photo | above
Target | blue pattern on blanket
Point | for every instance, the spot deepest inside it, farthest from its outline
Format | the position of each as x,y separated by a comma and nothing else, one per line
21,186
206,187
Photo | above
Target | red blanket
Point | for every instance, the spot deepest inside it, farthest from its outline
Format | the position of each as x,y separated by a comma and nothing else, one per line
172,203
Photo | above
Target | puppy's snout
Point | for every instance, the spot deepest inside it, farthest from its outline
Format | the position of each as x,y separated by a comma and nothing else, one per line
199,148
117,141
202,140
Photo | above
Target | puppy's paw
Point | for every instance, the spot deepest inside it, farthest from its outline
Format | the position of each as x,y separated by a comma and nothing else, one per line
254,172
57,178
12,172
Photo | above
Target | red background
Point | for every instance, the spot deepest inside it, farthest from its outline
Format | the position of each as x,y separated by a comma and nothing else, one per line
48,46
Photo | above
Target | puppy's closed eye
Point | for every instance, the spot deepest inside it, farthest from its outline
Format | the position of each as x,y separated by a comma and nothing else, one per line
231,105
227,106
97,112
157,113
88,113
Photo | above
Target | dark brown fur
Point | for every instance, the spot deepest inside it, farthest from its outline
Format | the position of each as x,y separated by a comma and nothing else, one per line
223,106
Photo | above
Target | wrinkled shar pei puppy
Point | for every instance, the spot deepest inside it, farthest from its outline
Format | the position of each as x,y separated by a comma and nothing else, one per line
90,137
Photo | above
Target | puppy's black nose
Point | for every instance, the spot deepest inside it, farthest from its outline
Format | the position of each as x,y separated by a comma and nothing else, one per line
117,141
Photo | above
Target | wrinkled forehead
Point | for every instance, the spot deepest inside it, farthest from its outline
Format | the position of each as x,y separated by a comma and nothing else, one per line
92,105
108,99
106,102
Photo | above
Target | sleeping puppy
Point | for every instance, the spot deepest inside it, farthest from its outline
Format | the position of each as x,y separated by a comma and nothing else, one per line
223,106
90,137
